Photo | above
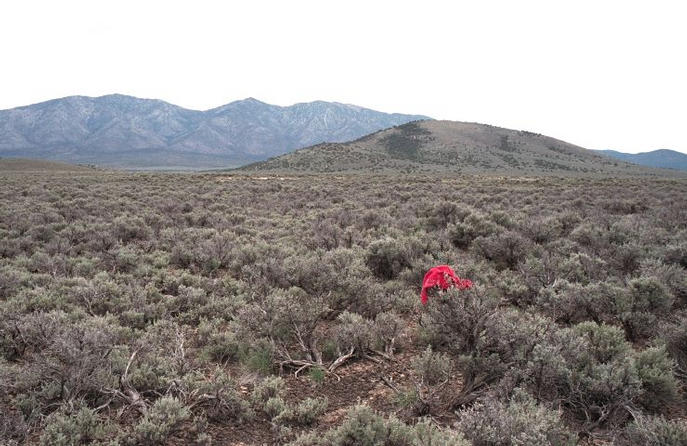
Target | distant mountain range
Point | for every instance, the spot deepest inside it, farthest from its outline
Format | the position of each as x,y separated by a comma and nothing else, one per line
128,132
669,159
430,147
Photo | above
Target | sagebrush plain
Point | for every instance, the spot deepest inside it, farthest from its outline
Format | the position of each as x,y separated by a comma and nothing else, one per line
235,309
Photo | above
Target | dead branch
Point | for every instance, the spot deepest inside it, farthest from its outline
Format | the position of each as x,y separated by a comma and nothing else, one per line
340,360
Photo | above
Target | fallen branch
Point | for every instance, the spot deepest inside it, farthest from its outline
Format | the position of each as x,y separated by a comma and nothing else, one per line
340,360
389,384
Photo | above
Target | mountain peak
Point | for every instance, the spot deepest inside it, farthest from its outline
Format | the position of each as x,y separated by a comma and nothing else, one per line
252,100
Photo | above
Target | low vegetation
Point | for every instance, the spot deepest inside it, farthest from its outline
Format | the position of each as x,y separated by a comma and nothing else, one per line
208,309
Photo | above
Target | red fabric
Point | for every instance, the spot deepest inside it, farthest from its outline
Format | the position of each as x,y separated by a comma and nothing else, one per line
443,277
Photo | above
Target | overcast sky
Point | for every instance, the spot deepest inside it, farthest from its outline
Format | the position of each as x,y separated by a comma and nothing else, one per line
600,74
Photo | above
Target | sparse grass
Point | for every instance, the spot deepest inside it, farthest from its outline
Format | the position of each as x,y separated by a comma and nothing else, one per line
317,375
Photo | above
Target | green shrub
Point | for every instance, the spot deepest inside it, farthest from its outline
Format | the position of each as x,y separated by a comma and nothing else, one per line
258,358
127,229
672,276
583,268
514,289
677,254
503,347
10,281
316,374
161,358
13,426
407,399
543,230
445,212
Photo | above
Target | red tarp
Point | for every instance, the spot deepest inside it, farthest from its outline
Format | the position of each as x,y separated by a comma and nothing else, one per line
443,277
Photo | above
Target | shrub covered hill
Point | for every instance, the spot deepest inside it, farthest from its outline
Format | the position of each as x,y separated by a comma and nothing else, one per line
452,147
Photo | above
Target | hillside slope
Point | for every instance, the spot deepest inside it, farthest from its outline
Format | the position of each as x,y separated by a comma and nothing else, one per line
124,131
664,158
451,147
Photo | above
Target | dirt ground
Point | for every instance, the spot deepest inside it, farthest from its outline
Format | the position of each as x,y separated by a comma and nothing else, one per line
357,382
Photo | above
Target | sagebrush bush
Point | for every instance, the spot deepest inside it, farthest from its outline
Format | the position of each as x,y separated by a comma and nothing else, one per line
591,369
432,367
672,276
387,328
127,229
455,318
10,281
573,303
274,406
674,336
646,300
655,371
268,388
13,426
214,392
218,344
81,427
655,431
354,332
519,421
363,426
386,258
304,413
161,421
73,361
677,253
505,249
473,225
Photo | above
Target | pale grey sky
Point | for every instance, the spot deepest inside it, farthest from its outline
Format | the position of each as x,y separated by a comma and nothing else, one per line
601,74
